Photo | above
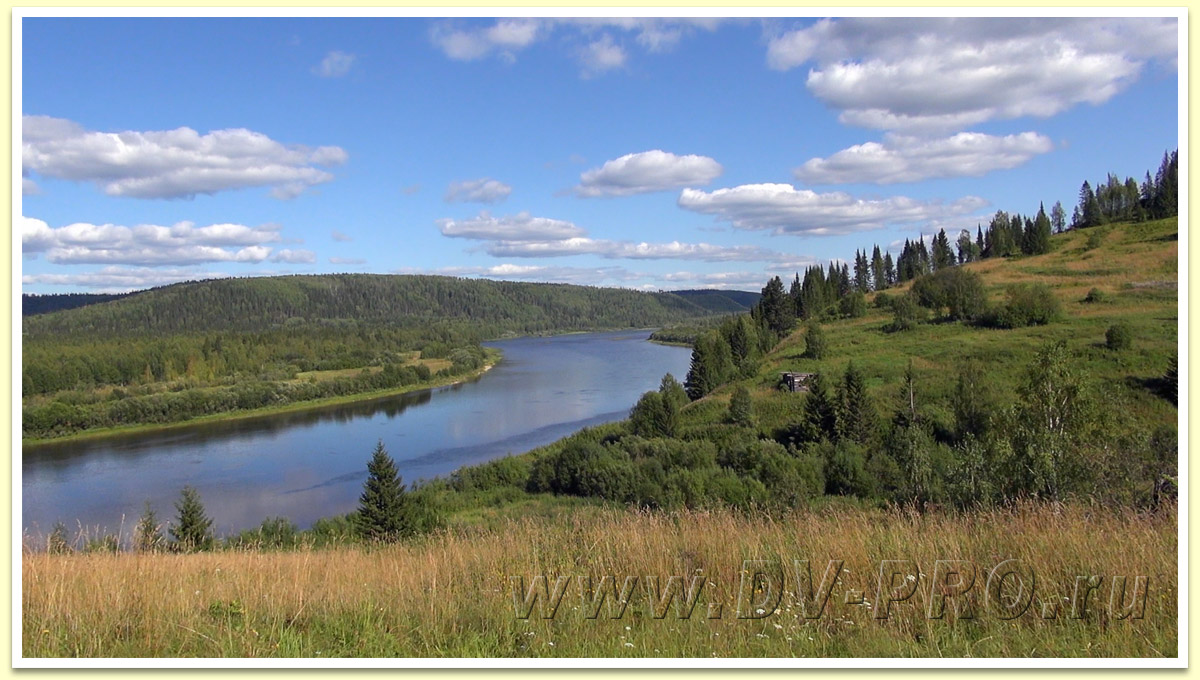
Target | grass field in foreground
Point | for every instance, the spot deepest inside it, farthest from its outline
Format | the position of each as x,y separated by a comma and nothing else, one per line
451,594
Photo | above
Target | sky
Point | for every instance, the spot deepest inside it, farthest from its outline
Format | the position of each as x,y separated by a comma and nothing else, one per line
647,153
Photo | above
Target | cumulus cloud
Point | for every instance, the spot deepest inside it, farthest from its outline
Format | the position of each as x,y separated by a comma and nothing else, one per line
335,65
29,187
645,172
599,44
741,280
902,158
340,237
519,227
602,55
933,74
588,276
526,236
150,245
294,256
505,37
178,163
114,279
483,190
784,209
673,250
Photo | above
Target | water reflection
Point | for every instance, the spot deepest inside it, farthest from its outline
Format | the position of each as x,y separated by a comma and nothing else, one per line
309,464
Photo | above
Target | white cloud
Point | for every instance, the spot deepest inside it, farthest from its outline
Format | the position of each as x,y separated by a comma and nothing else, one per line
745,280
294,256
340,237
903,158
586,276
178,163
335,65
29,187
483,190
519,227
347,260
506,38
525,236
121,279
935,74
783,209
602,55
645,172
150,245
630,250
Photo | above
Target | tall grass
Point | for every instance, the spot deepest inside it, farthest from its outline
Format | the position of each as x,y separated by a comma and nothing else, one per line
451,594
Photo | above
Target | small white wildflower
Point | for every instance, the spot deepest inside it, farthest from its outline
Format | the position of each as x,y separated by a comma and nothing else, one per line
628,644
778,627
550,643
910,577
627,628
760,610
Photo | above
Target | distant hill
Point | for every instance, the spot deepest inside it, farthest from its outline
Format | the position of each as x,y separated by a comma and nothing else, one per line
494,307
33,304
721,301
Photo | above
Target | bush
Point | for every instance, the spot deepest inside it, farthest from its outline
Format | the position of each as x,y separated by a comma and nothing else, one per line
1095,295
1028,304
741,408
1119,337
957,290
853,305
815,345
883,301
907,313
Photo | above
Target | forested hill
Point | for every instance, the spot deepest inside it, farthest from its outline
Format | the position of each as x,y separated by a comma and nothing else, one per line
263,303
33,304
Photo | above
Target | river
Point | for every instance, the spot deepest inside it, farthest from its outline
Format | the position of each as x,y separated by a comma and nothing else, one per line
309,464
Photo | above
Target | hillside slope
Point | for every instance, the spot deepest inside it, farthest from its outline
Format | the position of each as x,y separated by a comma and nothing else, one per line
262,303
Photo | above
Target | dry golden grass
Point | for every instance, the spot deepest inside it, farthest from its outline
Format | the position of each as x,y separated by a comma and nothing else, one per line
451,594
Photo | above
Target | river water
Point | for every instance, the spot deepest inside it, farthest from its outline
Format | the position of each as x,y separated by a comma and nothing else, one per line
309,464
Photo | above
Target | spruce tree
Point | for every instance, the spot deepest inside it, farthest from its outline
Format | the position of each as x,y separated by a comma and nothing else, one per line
819,418
856,416
383,506
194,528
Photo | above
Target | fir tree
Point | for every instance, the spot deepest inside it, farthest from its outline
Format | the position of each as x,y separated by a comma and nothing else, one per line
819,419
856,416
194,528
383,508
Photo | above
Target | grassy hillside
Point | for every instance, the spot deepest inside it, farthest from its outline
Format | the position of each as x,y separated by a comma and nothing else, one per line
1135,266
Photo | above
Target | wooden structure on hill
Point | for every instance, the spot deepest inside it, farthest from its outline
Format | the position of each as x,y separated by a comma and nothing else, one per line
794,382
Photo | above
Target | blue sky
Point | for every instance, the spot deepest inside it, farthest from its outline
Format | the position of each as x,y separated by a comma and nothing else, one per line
644,153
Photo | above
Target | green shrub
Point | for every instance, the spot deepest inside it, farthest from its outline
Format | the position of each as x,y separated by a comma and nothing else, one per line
1028,304
853,305
1095,295
907,313
741,408
1119,337
955,289
815,344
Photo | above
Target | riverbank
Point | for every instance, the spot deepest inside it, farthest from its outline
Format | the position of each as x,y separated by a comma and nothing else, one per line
492,357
